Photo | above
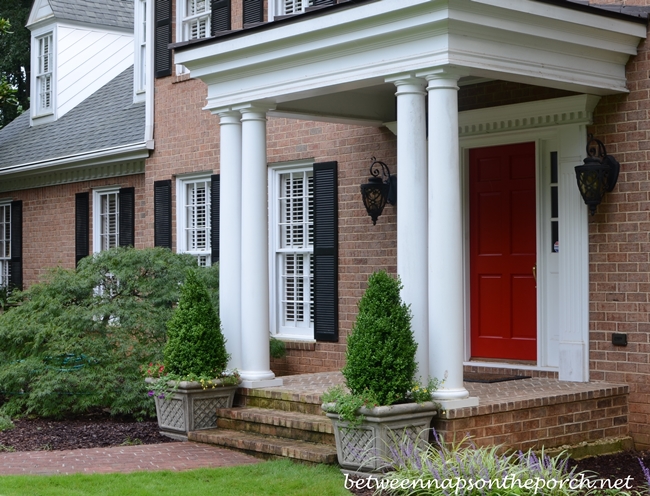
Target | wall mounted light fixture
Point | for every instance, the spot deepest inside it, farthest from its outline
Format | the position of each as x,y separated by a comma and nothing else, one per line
598,174
380,189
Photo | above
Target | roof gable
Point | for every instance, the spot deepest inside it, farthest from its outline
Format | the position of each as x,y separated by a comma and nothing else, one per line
108,13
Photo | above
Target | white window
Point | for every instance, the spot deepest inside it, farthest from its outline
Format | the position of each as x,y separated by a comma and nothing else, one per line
288,7
292,247
193,218
44,68
106,219
5,243
196,19
141,46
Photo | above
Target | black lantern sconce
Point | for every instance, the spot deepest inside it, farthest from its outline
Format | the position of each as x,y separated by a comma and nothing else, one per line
380,189
598,175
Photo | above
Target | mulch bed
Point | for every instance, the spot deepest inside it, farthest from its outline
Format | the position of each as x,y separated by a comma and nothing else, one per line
96,430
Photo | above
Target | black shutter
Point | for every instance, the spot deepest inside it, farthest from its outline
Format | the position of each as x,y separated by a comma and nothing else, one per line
326,309
253,11
220,20
163,37
127,216
162,213
81,226
16,261
214,216
318,3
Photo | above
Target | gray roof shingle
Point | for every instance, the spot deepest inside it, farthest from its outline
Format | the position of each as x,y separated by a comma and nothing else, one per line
106,119
114,13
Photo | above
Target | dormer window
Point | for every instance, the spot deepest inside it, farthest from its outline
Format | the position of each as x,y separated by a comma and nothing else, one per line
44,77
196,19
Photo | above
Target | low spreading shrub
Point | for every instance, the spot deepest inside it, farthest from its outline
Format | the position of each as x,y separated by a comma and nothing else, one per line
76,341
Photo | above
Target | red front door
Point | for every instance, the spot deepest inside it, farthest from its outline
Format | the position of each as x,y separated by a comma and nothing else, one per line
502,252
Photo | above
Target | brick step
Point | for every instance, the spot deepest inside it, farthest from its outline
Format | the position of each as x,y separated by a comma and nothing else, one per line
267,446
277,423
280,400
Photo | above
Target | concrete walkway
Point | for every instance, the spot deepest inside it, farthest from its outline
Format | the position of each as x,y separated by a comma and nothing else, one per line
166,456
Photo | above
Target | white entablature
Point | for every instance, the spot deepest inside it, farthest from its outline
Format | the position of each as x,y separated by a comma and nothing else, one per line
351,48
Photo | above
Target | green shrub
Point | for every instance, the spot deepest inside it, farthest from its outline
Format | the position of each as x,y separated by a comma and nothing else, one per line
77,340
381,348
195,343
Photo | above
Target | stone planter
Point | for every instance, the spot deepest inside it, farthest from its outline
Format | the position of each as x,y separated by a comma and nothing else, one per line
362,448
191,408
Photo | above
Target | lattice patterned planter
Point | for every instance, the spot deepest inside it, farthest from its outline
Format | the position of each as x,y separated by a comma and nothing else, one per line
362,448
192,408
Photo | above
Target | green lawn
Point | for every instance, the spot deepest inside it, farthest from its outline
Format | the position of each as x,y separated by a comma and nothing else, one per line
276,478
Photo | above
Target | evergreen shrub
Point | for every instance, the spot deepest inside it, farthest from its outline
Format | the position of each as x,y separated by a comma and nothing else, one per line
195,344
76,341
381,347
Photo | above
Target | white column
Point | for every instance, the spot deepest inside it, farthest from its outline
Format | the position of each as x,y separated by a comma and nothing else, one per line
446,298
230,203
255,371
412,210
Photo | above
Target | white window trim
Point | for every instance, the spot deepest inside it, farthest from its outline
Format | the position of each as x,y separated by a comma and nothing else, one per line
97,194
140,51
297,333
48,115
180,27
181,220
5,261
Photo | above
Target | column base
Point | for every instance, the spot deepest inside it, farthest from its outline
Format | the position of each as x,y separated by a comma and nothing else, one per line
457,403
256,384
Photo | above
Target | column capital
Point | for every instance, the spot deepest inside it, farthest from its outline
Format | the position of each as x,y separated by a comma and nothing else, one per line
254,108
443,77
229,117
407,83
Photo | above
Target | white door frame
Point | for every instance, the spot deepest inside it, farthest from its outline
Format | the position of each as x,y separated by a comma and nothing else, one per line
554,125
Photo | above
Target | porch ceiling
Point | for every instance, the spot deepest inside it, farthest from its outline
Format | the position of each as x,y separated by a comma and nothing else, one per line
334,65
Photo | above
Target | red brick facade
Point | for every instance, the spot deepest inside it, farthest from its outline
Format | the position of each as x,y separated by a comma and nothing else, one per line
187,140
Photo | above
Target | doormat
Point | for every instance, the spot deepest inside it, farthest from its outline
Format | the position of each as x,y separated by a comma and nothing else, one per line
489,378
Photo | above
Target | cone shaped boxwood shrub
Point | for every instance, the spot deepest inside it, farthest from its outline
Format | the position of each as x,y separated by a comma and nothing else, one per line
381,347
195,344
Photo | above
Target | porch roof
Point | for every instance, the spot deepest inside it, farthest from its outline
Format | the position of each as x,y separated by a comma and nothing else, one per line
333,63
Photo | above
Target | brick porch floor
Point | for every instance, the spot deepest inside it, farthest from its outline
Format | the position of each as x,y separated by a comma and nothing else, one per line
522,414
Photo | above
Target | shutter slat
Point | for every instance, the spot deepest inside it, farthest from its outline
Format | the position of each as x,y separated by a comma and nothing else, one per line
162,194
253,11
319,3
220,16
326,318
16,261
215,189
127,217
81,226
163,37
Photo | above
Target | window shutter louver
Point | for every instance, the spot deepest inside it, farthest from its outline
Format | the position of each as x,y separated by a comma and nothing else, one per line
162,198
127,217
220,16
16,262
214,216
163,37
318,3
326,318
253,11
81,226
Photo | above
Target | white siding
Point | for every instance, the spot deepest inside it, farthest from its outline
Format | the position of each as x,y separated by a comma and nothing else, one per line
87,60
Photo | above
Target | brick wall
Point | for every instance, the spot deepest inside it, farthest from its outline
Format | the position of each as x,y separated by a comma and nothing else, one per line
49,223
619,246
563,420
